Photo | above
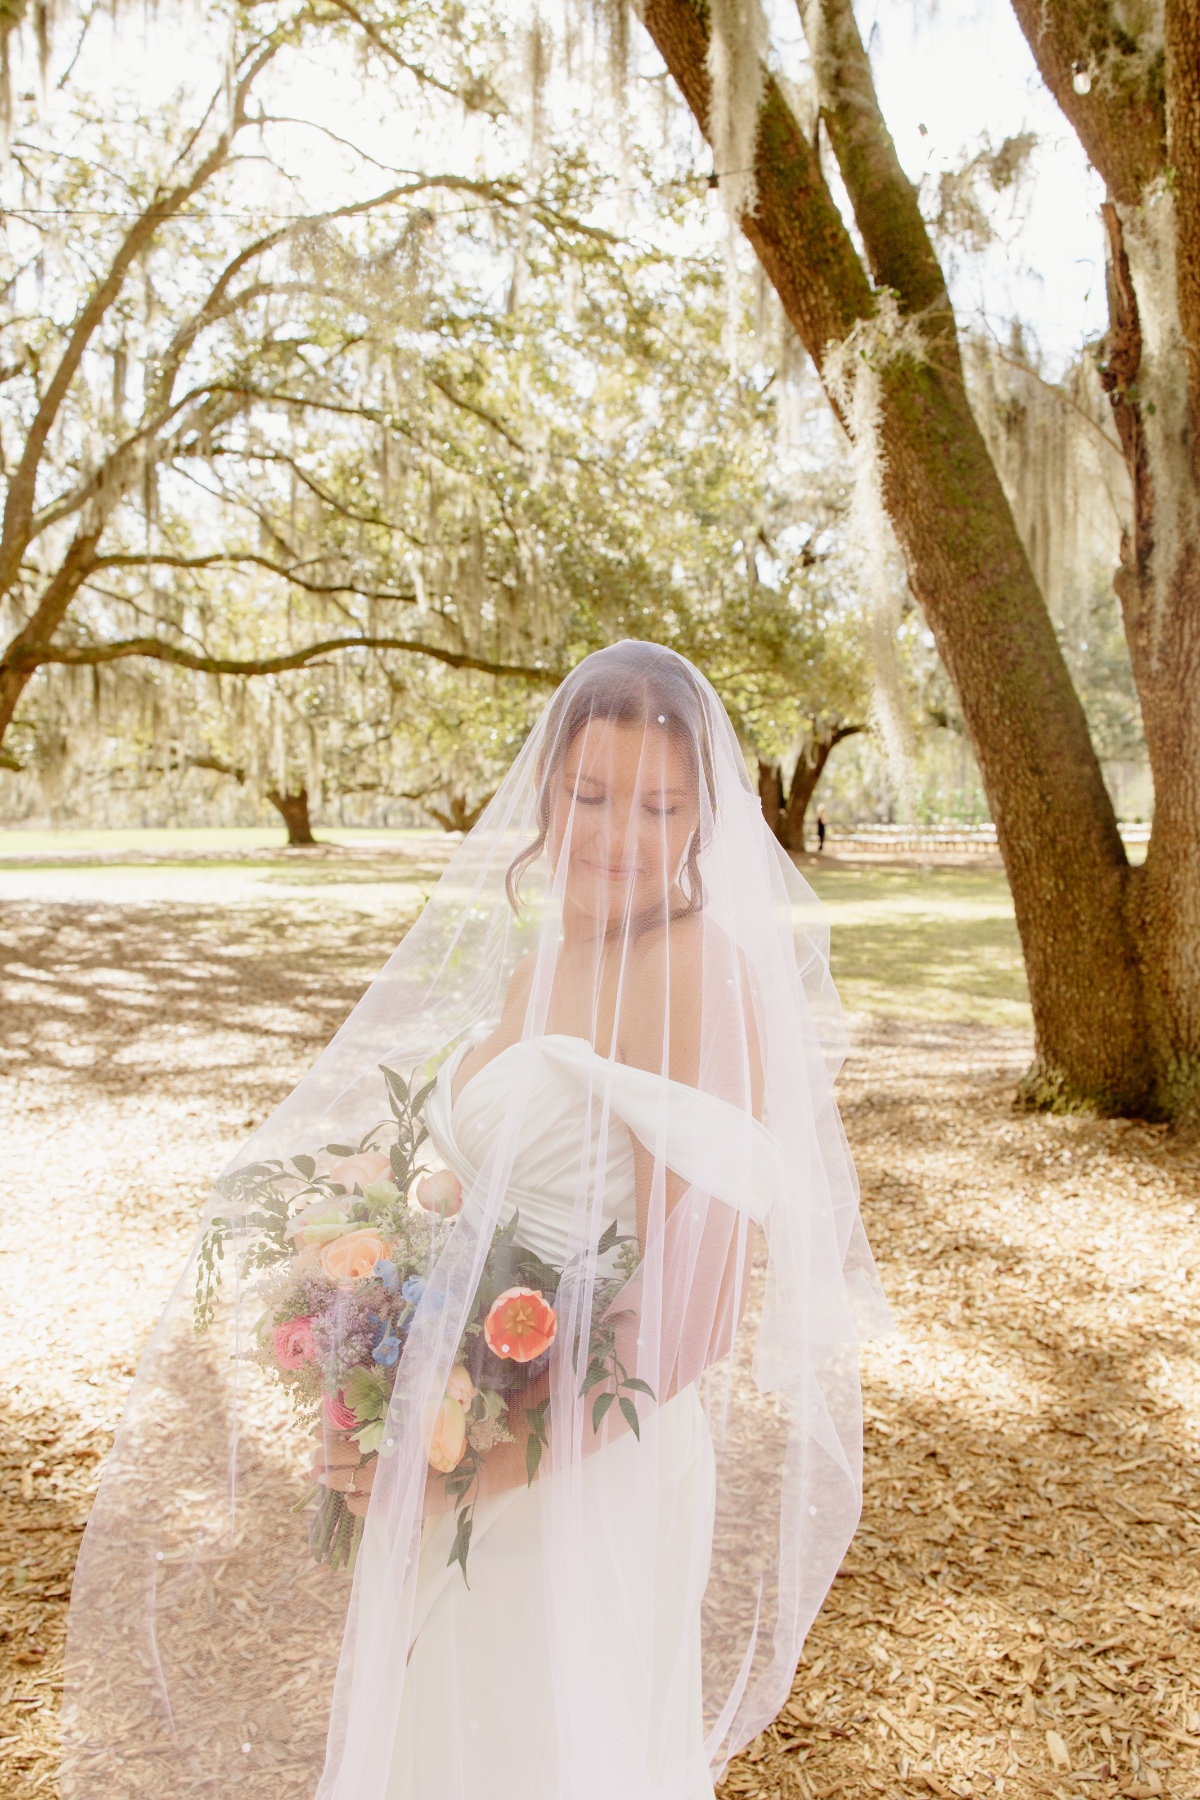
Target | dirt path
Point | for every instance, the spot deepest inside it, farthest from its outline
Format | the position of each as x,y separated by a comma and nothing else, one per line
1020,1613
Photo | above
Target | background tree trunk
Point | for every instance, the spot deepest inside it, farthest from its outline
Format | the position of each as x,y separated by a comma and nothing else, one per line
786,813
968,569
293,810
1139,121
770,793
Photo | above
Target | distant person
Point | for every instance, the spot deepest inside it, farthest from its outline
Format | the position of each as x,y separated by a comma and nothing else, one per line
821,824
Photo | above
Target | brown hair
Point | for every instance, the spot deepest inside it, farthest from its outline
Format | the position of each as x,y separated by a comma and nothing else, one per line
631,683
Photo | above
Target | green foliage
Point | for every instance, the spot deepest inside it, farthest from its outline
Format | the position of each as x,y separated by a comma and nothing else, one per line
458,409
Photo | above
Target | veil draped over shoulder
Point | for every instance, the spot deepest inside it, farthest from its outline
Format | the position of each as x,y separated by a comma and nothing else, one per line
503,1434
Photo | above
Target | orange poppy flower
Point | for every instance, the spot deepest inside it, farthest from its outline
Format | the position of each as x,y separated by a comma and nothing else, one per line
520,1325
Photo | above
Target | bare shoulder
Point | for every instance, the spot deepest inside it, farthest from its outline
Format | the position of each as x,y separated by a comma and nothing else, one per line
690,988
680,957
679,974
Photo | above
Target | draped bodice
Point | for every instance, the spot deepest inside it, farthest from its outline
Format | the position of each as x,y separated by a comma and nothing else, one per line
561,1120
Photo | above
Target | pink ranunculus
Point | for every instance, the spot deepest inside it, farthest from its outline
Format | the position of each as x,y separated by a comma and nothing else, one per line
444,1435
441,1192
353,1256
520,1325
339,1414
294,1343
361,1170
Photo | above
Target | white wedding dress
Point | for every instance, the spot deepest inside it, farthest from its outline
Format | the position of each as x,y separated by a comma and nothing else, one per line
483,1658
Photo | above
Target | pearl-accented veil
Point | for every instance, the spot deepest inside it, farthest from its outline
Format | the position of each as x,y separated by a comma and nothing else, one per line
613,1032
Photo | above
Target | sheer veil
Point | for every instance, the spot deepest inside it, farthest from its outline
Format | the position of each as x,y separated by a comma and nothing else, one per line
588,1099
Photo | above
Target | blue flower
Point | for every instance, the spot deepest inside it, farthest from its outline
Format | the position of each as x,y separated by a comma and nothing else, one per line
412,1290
387,1350
388,1274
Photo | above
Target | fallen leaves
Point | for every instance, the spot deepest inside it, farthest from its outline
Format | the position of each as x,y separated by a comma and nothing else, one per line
1024,1586
1019,1614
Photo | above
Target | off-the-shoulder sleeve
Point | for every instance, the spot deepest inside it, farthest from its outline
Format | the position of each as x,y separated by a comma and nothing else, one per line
715,1146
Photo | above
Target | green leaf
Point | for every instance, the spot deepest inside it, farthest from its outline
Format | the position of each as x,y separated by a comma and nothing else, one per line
422,1095
370,1437
642,1387
462,1542
603,1402
341,1150
595,1373
506,1233
306,1166
395,1082
366,1394
399,1164
533,1456
535,1417
629,1411
607,1239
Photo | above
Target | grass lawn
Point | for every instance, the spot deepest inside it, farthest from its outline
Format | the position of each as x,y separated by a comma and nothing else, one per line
938,944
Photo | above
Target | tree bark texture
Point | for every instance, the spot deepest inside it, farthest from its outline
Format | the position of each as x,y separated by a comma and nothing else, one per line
16,667
1140,124
967,567
293,810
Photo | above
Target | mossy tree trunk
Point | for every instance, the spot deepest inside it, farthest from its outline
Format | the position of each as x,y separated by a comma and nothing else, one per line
1138,119
1111,953
293,810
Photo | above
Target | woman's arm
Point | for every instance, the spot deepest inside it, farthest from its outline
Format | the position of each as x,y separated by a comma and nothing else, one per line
690,1000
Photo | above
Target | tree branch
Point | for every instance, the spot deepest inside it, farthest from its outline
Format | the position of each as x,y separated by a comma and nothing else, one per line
1121,118
796,229
48,614
231,559
899,252
481,101
29,656
18,506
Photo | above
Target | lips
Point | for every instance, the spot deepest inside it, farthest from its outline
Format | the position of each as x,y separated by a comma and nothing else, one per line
607,872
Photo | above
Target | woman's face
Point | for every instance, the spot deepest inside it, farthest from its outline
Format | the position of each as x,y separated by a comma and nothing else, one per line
624,808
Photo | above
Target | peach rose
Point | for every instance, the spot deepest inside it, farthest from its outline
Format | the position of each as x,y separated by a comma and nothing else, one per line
444,1434
361,1170
520,1325
440,1192
459,1386
353,1256
294,1343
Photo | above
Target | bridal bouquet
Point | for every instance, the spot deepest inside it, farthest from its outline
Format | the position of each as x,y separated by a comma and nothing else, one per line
343,1244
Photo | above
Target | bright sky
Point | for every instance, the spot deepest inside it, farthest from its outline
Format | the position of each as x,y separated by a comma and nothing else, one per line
962,69
965,71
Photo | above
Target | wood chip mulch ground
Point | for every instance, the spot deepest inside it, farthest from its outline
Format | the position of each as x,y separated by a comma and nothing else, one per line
1020,1612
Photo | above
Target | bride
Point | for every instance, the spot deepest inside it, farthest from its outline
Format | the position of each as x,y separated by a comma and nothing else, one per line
588,1425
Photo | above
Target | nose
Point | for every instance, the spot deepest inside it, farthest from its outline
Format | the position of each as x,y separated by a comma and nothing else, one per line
616,837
